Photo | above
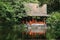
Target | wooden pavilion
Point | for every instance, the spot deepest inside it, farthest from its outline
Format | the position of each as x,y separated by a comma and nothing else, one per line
36,18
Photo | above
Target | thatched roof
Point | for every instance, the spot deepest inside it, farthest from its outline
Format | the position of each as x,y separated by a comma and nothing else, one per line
35,10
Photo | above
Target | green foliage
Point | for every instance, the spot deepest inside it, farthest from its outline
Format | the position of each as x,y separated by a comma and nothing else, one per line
32,1
53,5
54,25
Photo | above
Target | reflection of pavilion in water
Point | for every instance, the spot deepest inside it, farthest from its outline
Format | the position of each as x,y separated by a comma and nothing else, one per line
35,25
